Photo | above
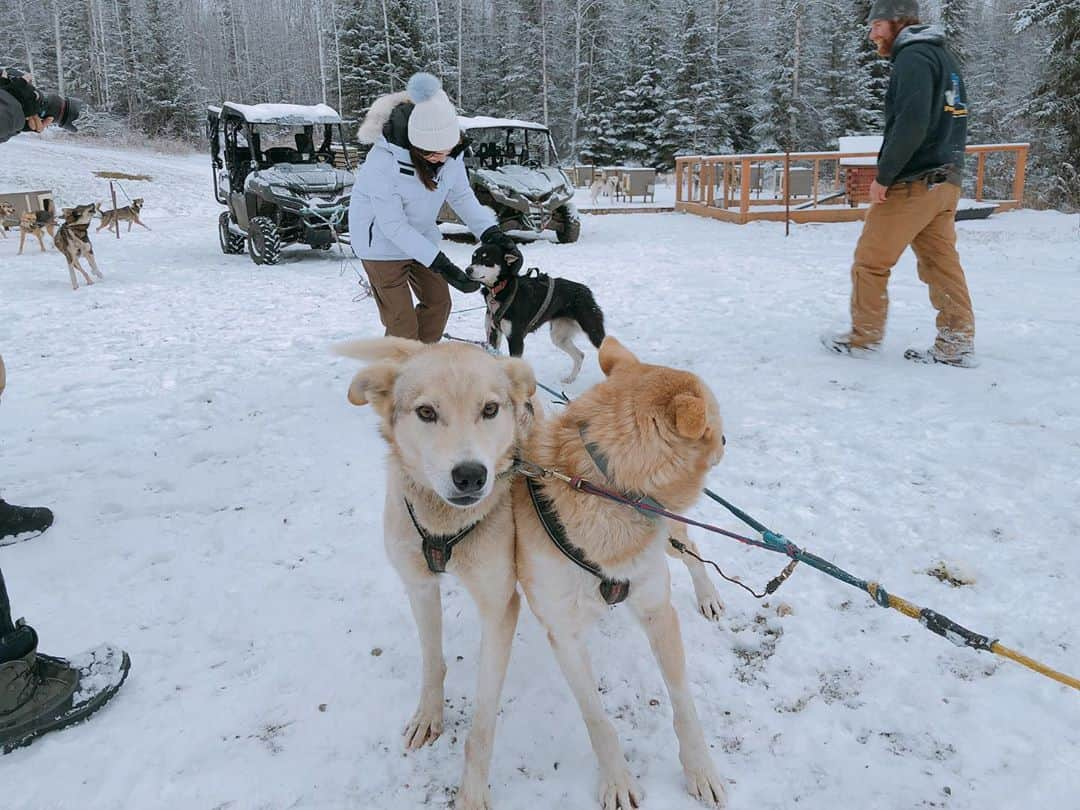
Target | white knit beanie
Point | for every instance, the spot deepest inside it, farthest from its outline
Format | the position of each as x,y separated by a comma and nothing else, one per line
433,123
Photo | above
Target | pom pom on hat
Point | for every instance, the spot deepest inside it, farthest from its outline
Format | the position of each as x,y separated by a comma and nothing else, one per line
422,86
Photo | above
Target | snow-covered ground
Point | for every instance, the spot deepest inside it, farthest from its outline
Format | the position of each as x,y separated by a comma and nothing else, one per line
218,515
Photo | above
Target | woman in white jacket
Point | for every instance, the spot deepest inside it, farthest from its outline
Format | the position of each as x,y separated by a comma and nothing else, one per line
414,166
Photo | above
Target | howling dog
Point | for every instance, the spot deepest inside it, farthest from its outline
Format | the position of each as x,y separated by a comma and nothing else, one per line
73,240
128,214
518,305
453,416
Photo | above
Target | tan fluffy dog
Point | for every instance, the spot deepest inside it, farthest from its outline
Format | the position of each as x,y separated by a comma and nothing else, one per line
659,431
452,415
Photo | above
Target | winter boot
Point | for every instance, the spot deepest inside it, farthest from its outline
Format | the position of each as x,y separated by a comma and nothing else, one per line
841,343
40,693
961,359
19,523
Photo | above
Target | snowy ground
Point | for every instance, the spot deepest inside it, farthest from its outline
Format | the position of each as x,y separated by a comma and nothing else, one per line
218,511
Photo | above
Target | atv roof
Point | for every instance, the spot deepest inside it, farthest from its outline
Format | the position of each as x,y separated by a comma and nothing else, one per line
483,122
288,114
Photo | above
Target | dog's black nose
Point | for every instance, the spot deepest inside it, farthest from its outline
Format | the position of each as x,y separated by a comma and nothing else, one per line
469,477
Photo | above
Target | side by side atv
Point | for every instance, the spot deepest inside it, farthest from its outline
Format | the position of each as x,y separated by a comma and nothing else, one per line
513,169
279,187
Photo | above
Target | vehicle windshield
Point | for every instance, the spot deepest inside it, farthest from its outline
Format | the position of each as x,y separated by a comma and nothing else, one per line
494,147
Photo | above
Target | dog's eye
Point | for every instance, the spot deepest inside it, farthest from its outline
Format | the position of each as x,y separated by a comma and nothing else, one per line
491,410
426,413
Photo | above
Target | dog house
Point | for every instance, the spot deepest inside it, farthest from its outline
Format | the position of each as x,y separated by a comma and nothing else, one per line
859,173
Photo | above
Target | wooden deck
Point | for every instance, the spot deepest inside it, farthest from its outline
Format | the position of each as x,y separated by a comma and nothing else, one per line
723,186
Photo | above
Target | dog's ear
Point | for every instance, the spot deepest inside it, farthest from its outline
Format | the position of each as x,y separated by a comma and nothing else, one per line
376,350
613,354
522,379
687,413
374,384
66,212
511,258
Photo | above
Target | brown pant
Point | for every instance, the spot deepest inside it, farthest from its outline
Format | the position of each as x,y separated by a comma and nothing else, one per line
922,217
391,282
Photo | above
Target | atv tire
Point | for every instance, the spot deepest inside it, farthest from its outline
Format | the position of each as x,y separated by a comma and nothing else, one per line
571,226
232,244
263,243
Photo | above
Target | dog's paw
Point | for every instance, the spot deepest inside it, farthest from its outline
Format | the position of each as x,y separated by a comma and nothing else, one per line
710,605
704,784
473,798
620,791
424,727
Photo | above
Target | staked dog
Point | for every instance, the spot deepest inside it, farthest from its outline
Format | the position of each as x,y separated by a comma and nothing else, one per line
452,416
128,214
73,240
7,211
36,224
654,432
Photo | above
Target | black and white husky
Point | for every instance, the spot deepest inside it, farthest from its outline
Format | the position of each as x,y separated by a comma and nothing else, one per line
520,304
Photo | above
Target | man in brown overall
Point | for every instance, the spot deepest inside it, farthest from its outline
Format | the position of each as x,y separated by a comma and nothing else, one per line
914,197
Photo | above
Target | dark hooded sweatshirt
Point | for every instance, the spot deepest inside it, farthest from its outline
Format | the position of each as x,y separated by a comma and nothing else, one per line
925,110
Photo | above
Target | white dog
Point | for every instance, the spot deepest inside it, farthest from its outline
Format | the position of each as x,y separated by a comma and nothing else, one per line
452,416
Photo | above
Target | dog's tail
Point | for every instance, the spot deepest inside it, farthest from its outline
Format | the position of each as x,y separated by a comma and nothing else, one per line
592,322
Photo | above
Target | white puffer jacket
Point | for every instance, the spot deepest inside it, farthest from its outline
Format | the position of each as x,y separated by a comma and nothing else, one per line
392,216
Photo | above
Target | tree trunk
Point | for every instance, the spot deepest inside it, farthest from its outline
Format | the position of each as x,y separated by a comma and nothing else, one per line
322,55
438,41
543,59
389,55
59,50
460,67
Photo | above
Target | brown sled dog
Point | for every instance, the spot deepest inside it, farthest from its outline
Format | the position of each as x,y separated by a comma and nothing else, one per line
648,430
36,223
128,214
7,211
73,240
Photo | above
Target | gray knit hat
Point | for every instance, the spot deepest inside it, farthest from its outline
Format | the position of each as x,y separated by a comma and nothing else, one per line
893,10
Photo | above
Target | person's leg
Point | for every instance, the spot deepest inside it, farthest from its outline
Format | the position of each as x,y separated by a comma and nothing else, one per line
40,693
940,270
889,228
433,302
390,287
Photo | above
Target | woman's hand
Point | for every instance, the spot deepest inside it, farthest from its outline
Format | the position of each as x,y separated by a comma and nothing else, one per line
453,274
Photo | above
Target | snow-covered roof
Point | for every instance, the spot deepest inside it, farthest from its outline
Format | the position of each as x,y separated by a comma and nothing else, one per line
484,122
282,113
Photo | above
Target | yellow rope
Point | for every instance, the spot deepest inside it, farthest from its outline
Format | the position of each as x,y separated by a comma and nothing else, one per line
1031,663
915,612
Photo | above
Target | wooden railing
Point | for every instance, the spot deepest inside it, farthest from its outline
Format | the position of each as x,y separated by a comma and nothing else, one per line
721,186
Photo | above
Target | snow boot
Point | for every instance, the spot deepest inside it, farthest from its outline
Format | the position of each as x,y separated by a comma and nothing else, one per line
840,343
962,359
19,523
40,693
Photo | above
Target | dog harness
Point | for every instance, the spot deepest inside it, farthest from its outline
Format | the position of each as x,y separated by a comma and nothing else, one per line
543,307
614,591
437,547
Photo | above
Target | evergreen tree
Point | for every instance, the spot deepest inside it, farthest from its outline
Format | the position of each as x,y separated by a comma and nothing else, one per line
363,59
874,69
1056,102
956,20
167,85
695,116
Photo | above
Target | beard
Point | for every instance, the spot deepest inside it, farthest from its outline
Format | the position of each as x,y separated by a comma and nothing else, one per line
885,44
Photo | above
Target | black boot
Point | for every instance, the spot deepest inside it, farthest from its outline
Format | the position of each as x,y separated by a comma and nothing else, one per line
40,693
19,523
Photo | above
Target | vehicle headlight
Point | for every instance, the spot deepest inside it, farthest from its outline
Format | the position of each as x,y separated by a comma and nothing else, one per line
281,191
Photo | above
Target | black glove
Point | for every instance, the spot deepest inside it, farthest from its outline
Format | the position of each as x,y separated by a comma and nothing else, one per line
495,236
453,274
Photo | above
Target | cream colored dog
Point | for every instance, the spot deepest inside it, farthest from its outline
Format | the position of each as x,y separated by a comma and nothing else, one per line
656,431
452,415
